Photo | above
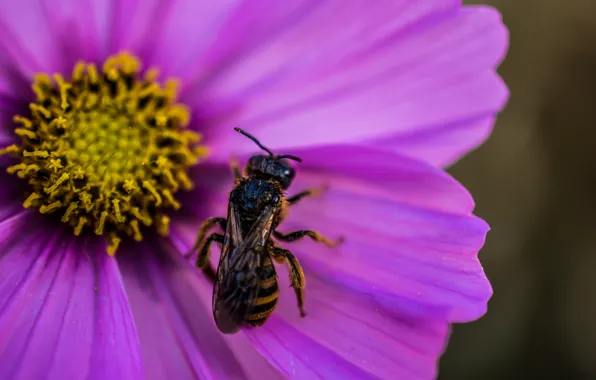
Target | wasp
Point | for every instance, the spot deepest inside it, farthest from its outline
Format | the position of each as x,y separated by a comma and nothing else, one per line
245,288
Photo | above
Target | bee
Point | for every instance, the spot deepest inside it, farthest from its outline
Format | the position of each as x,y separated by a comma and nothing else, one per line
245,288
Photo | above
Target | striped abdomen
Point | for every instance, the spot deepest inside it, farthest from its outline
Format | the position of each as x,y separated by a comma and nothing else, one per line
266,299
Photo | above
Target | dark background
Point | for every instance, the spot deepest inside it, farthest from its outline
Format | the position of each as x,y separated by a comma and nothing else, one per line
534,181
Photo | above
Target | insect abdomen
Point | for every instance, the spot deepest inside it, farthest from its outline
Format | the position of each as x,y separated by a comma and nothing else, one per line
266,300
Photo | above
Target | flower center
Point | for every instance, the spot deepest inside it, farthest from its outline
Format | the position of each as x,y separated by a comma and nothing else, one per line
106,150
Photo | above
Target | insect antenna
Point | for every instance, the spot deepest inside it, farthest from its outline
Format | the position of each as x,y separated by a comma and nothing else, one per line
254,139
291,157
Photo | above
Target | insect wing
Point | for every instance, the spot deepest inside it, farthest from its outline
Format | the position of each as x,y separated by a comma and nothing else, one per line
238,276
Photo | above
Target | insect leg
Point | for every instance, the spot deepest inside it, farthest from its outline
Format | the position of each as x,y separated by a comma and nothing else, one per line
206,226
235,168
312,234
307,193
203,261
296,274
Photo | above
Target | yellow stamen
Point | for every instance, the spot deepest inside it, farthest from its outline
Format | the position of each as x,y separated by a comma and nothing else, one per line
106,148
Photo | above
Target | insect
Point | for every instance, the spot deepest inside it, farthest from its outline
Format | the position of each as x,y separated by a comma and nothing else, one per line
245,285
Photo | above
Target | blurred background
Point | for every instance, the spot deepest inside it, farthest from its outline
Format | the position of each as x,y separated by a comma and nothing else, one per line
534,181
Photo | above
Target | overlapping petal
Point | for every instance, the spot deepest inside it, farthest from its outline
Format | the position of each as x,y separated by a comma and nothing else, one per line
169,34
431,66
64,313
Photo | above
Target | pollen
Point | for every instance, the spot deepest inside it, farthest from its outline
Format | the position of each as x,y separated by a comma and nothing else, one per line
106,150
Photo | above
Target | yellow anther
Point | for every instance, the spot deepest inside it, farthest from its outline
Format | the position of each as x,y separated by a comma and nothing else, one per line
63,87
170,179
79,228
51,207
136,232
116,205
114,242
161,120
151,189
163,225
10,149
40,109
152,74
92,73
201,151
181,113
51,189
30,199
26,123
170,198
22,132
149,90
32,168
71,207
143,218
77,72
16,168
102,221
40,85
184,181
36,153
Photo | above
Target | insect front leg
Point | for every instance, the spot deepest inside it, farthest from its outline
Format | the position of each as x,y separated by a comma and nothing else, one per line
296,273
206,226
293,236
203,260
307,193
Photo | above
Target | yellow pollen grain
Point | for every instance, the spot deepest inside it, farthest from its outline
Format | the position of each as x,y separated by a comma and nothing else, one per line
106,149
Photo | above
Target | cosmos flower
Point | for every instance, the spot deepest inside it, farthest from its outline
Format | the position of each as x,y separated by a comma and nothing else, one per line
108,169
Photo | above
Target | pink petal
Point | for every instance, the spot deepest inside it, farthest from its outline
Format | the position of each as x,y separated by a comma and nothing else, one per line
11,194
64,312
166,292
79,29
168,34
15,91
419,260
431,65
442,144
383,174
346,336
27,39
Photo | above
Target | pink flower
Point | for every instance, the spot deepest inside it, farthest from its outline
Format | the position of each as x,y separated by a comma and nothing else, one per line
375,97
